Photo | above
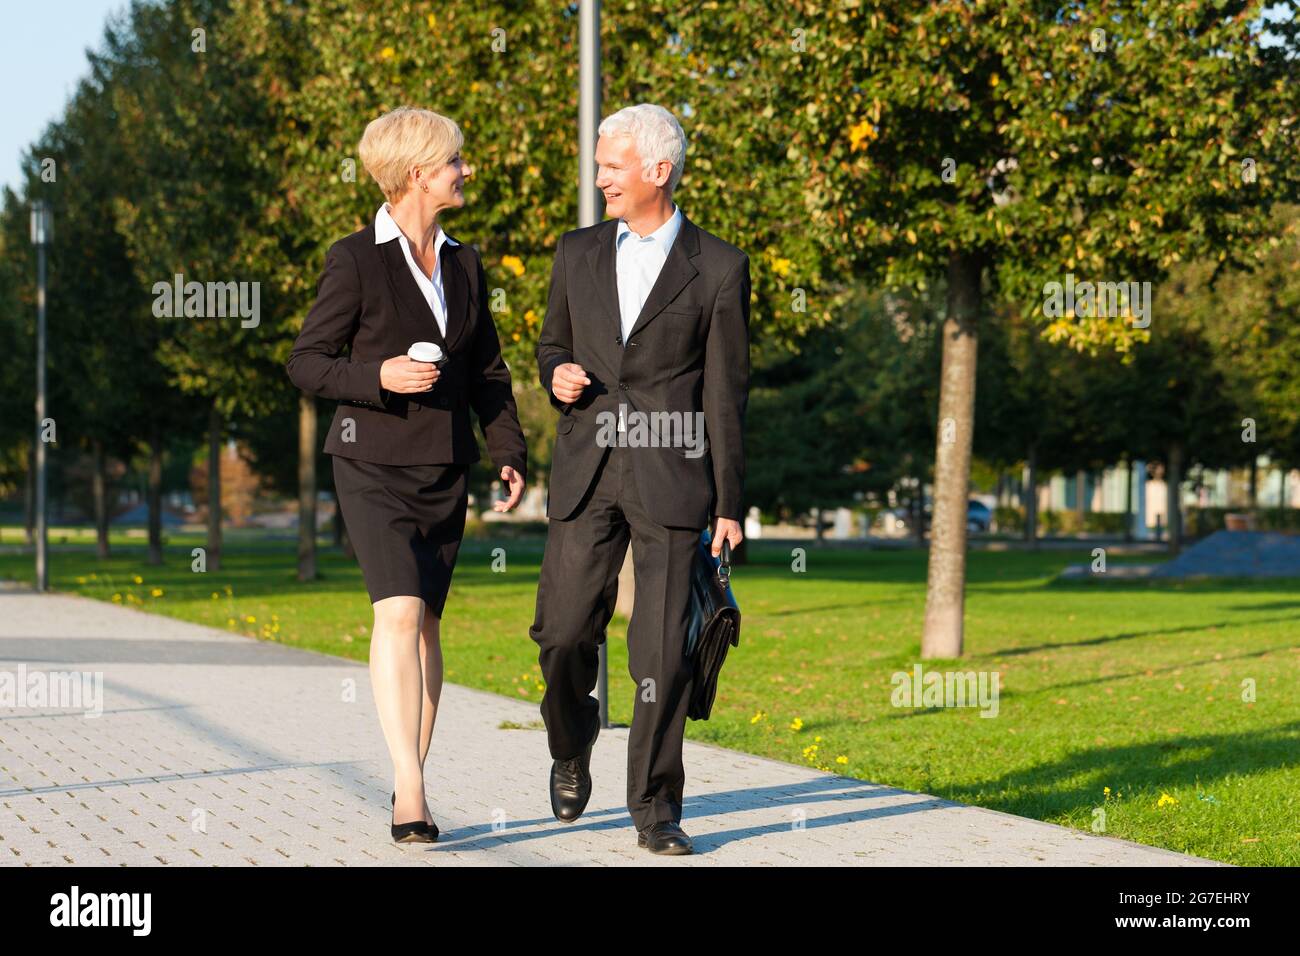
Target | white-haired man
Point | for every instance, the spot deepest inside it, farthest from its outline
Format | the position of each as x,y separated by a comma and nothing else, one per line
647,322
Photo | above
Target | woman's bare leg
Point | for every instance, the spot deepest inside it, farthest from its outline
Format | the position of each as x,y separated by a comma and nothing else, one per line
396,676
431,662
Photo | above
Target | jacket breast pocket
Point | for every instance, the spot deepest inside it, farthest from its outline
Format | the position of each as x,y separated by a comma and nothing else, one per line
682,325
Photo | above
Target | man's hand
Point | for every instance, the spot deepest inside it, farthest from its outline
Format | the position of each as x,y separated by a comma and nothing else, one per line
511,477
567,382
401,373
729,529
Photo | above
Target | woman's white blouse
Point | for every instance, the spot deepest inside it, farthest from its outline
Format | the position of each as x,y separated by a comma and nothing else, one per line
386,230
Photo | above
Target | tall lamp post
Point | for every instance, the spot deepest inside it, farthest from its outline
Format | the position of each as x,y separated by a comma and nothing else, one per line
42,236
588,215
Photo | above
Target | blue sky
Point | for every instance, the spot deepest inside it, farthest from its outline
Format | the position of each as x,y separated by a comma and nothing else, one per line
42,56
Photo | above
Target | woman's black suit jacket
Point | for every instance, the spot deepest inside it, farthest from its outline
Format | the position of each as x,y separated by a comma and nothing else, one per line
368,302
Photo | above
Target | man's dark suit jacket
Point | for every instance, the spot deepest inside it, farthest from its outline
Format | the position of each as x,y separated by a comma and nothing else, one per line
687,352
367,300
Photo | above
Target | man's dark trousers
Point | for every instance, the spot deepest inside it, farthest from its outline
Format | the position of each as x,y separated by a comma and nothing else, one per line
576,597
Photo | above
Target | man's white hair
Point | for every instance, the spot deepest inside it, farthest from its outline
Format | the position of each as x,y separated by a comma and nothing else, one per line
656,134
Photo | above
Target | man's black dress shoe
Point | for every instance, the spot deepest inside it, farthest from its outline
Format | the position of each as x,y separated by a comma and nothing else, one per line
666,838
571,784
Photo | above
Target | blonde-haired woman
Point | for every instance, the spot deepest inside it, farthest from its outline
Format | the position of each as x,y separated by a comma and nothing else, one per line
402,440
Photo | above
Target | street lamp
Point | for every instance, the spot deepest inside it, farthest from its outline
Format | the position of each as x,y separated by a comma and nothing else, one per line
588,214
42,236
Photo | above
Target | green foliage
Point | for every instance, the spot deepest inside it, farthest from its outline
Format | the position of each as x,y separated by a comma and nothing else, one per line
1008,519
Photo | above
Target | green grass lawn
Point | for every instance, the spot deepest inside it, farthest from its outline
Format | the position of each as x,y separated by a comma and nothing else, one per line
1132,688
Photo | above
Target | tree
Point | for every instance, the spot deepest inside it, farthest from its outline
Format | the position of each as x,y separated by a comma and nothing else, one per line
1119,131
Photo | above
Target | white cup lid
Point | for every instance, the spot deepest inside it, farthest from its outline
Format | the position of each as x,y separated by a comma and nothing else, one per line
425,352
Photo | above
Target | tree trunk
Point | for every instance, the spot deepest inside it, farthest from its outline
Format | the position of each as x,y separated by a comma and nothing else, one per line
214,489
306,488
1254,482
99,492
155,495
1173,508
1080,489
946,585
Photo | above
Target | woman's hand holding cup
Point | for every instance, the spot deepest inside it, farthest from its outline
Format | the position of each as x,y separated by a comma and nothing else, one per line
416,371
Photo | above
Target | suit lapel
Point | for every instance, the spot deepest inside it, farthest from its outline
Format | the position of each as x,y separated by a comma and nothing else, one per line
677,271
407,293
604,273
455,289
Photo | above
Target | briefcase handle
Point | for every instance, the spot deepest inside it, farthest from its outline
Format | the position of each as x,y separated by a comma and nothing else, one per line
724,567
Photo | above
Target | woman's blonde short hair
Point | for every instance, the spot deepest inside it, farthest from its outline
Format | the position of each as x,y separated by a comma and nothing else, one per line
407,137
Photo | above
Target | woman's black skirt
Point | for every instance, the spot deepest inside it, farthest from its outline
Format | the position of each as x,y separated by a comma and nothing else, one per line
405,522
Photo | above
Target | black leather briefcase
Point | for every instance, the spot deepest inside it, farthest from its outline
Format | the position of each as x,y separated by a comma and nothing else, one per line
713,623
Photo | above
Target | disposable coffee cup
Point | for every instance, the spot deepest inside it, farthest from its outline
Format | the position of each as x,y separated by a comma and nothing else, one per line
427,352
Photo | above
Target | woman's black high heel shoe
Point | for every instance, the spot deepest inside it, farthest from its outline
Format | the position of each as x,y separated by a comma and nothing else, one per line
415,832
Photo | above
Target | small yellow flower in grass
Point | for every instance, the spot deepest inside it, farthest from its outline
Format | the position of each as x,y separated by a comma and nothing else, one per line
761,715
117,599
530,316
841,759
387,53
250,619
818,739
229,591
1166,801
230,622
541,686
81,580
215,595
796,724
514,264
156,592
781,267
1106,791
514,336
432,20
137,579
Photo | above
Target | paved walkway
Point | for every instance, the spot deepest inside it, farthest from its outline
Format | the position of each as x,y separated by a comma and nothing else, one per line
218,749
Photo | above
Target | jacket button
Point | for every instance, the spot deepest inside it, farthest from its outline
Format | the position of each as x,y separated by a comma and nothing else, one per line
618,340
